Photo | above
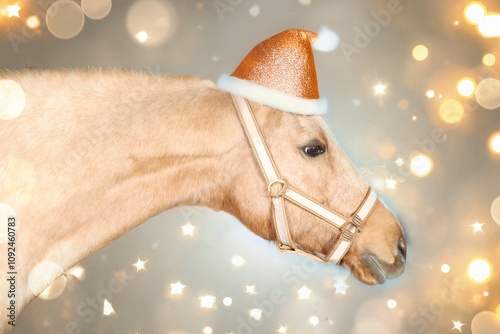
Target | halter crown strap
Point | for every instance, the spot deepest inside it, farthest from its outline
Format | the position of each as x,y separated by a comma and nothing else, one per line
279,190
267,166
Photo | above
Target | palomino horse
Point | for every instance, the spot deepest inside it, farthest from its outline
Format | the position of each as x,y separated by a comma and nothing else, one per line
95,153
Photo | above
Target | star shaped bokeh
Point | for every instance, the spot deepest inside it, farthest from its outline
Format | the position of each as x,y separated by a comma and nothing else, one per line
477,226
188,229
13,10
140,265
304,292
457,325
177,288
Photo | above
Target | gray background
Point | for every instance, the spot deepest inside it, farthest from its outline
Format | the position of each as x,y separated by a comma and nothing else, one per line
436,211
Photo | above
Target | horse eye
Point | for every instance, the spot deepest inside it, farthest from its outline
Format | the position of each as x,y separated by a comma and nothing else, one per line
314,150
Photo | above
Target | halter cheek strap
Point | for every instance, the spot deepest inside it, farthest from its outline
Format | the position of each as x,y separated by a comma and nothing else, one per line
279,191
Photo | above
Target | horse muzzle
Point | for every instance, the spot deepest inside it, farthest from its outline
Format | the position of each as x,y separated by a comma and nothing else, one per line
378,270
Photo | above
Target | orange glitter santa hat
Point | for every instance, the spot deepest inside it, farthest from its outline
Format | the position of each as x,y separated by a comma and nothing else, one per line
279,72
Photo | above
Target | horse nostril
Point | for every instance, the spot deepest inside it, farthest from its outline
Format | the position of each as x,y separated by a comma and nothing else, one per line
402,248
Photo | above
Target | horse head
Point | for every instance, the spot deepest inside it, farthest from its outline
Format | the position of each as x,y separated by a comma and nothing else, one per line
308,157
303,191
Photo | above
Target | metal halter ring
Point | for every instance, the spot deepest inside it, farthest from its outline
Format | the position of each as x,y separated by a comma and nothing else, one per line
282,189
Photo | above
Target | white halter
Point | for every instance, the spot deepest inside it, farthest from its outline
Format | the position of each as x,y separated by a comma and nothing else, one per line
279,190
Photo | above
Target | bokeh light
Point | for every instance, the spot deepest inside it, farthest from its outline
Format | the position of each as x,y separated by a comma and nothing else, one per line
340,286
250,290
489,59
430,94
55,289
33,22
107,308
142,36
479,270
282,330
485,322
488,93
76,271
151,22
466,87
495,210
64,19
494,143
39,274
12,100
188,229
457,324
474,11
237,261
390,183
451,111
379,88
477,227
489,26
13,10
421,165
139,265
254,10
304,292
96,9
420,52
256,314
227,301
207,330
207,301
314,320
445,268
177,288
392,304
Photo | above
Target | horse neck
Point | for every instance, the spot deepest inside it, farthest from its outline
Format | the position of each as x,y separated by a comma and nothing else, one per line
127,147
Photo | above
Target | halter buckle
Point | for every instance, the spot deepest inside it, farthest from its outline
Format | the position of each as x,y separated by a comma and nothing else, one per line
283,186
357,222
347,235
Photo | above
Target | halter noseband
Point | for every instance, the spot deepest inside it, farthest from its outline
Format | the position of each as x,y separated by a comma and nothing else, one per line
279,191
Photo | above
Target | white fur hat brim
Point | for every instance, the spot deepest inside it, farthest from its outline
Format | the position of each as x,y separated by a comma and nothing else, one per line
272,97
